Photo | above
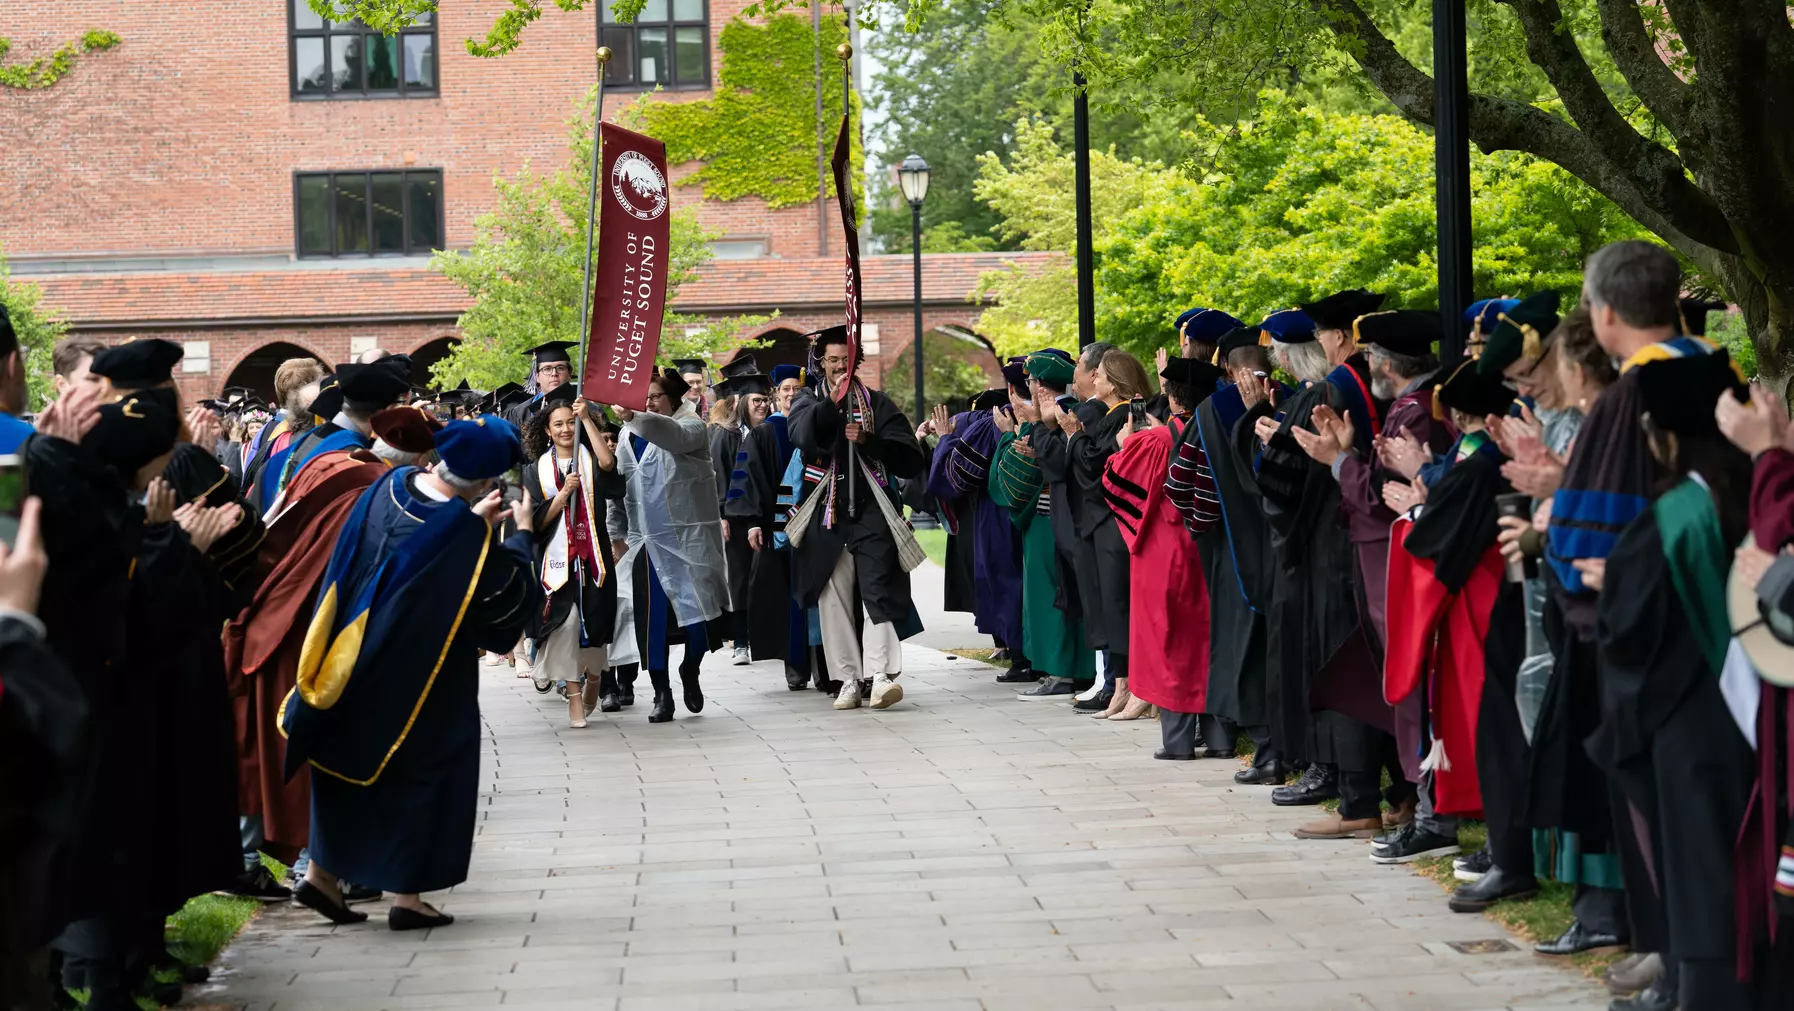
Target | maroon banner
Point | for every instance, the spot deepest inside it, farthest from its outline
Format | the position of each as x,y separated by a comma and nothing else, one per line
850,226
630,296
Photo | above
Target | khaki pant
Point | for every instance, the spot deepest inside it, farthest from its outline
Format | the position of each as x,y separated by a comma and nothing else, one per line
877,651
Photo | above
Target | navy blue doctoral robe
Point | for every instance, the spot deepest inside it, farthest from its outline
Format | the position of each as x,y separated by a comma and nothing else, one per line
957,478
386,710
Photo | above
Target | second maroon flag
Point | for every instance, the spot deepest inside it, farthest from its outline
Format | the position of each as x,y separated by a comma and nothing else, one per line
841,163
630,296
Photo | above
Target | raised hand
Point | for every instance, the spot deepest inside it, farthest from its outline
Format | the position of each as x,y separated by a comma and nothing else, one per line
943,422
1403,454
489,507
523,513
1127,429
73,416
1160,359
205,525
1755,426
1004,422
158,502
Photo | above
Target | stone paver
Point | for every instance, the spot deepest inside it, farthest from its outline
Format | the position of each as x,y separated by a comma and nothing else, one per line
961,850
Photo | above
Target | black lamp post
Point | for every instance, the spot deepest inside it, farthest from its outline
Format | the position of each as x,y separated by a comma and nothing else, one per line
1451,166
912,175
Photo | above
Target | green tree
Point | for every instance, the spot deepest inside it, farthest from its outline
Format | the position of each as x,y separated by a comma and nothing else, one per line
526,267
38,328
1298,203
949,372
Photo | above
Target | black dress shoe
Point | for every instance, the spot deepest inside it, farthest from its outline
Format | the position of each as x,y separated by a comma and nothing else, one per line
353,894
1219,753
610,703
1012,676
1269,774
1165,756
400,918
694,693
1659,996
1494,886
314,898
663,706
1320,783
1097,704
1576,940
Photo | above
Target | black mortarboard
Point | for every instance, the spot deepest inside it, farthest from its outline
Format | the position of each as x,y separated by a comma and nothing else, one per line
740,365
688,366
1233,340
493,402
381,382
564,394
1338,310
747,384
135,429
329,401
1694,315
983,402
1471,391
551,351
137,364
1679,394
1198,375
232,394
836,334
511,399
1409,332
1520,332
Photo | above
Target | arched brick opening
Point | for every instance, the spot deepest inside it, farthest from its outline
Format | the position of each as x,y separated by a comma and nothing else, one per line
784,346
255,370
427,355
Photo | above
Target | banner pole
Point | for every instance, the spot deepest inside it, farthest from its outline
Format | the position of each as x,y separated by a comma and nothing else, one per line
845,52
585,291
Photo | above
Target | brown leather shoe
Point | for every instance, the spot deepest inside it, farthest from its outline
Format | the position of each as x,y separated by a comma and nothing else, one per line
1335,827
1400,816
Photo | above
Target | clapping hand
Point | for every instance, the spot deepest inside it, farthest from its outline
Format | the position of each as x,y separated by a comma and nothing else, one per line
1264,428
72,416
1756,426
1004,422
1069,423
943,422
1509,431
1331,438
22,564
1534,469
1594,572
205,525
1402,454
158,502
203,427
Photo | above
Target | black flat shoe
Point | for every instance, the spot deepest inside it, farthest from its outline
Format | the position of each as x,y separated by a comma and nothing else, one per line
1270,774
1165,756
1577,940
663,706
1494,886
311,897
1025,676
694,693
1097,704
400,918
609,703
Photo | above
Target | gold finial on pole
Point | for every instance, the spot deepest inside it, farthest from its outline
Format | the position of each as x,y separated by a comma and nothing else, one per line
844,51
603,55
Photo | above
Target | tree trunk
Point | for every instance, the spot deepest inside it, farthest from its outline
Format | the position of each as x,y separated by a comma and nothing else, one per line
1769,319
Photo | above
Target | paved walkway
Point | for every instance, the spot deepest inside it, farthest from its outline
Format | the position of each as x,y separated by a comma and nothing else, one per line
961,850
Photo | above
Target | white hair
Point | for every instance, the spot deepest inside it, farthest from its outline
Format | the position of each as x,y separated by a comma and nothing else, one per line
1307,362
463,486
396,456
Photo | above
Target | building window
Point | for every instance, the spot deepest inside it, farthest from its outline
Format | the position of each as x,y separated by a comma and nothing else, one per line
346,59
368,213
668,46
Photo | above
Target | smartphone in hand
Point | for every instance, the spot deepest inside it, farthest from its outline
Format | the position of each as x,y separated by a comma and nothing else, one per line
12,496
1136,409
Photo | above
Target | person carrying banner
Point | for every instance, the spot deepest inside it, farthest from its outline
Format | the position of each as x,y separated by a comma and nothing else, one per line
847,543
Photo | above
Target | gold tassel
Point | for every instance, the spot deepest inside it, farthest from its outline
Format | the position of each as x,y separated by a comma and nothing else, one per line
1438,405
1215,359
1264,338
1531,344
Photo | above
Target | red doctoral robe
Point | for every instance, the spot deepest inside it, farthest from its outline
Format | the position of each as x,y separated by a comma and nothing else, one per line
1168,623
1436,642
261,646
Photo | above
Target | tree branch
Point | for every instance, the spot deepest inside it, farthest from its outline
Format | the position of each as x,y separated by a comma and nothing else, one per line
1658,173
1500,124
1635,53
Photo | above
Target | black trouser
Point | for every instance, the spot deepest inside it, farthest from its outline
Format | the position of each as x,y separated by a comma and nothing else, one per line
1600,910
1177,731
1219,733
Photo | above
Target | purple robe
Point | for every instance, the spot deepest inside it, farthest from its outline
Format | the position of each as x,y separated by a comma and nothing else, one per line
957,480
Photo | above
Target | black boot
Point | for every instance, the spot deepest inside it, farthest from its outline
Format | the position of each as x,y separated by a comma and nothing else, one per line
608,702
626,683
689,666
663,698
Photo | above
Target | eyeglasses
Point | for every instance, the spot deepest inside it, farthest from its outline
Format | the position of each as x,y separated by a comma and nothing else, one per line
555,368
657,395
836,360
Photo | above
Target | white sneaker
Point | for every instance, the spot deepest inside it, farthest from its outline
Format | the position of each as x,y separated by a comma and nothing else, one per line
849,698
492,659
742,656
1095,689
886,692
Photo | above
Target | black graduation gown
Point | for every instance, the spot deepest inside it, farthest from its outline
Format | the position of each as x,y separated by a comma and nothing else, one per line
598,604
1671,748
1078,587
1089,453
91,530
817,427
1236,561
43,759
1313,610
772,632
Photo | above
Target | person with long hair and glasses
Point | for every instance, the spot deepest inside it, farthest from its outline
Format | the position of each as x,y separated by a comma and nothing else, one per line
567,480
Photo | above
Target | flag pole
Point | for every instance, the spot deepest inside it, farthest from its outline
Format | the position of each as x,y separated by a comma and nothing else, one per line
845,52
585,290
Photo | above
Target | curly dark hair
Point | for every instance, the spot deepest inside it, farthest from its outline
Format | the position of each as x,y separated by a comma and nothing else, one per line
535,431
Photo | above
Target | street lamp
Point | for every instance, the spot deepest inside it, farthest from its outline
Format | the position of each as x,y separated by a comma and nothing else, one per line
912,175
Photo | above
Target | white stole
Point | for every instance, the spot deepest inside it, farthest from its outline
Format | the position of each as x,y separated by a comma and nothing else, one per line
555,556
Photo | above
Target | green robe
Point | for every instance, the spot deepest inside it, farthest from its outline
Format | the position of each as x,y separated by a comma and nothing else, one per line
1053,645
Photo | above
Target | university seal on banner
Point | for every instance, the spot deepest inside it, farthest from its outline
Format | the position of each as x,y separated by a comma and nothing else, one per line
638,185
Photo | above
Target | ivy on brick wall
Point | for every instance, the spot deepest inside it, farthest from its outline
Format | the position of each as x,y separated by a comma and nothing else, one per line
47,70
758,135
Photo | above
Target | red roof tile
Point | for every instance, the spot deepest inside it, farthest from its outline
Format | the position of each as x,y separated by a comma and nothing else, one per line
104,301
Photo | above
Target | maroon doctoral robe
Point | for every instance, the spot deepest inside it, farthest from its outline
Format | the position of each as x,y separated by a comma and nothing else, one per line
1361,483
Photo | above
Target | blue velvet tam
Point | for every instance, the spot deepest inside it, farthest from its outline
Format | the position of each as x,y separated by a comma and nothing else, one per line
1205,326
1482,315
780,373
481,449
1291,326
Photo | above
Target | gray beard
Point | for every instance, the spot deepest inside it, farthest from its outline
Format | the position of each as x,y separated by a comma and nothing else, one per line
1383,388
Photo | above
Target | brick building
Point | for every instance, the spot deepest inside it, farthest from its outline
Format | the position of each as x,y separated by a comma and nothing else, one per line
256,183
